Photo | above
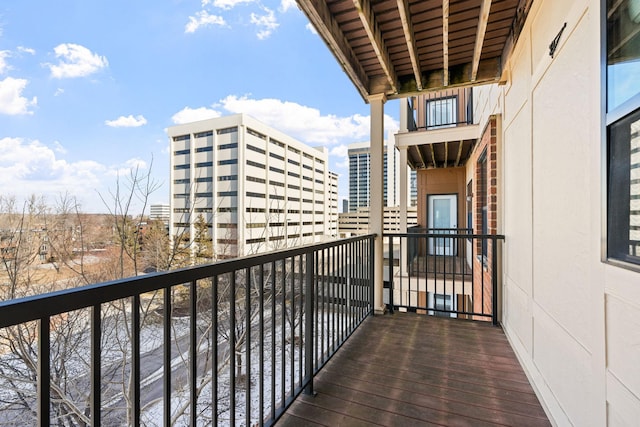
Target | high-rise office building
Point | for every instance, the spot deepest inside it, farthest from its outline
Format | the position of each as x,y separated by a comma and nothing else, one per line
254,187
359,178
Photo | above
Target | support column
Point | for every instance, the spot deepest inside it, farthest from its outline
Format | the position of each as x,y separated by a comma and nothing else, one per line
376,194
404,185
404,113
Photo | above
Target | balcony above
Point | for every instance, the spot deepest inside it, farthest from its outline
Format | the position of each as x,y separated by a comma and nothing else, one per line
397,48
438,128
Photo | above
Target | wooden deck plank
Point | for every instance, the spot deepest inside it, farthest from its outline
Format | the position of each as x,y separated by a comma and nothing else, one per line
409,369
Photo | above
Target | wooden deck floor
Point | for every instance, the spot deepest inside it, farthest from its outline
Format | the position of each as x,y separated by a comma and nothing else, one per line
412,370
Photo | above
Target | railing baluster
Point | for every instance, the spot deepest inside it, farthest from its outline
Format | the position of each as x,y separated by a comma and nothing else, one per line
135,359
247,334
214,340
273,340
232,349
167,356
283,311
494,280
300,322
261,345
292,373
96,365
308,333
44,375
193,350
391,267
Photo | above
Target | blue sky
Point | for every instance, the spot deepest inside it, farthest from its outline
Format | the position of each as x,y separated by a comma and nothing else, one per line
87,88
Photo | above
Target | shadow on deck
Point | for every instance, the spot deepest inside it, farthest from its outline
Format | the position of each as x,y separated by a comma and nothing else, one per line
409,370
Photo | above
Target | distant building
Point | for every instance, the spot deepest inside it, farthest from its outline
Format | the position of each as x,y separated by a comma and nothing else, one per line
359,179
256,188
357,223
160,212
345,205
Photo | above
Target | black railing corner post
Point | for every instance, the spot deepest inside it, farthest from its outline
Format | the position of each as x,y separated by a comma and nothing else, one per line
309,316
494,279
391,274
372,272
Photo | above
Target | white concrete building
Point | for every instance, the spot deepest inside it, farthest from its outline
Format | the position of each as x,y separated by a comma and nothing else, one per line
256,188
161,212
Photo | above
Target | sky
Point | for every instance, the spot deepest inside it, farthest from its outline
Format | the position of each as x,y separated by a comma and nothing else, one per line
88,88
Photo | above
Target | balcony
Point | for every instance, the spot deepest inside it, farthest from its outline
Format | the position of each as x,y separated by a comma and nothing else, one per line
249,341
438,128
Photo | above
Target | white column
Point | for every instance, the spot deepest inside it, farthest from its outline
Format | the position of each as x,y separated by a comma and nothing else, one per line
403,205
376,195
404,112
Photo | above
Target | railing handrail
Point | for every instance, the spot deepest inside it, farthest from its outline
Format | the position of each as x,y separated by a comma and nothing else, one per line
446,235
35,307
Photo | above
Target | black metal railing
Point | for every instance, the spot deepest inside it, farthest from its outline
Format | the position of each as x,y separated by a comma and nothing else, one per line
444,272
228,343
442,109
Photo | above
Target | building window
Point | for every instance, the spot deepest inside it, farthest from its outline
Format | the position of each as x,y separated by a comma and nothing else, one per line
623,131
442,112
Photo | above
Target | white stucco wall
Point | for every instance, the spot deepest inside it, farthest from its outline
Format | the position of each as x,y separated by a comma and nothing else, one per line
573,320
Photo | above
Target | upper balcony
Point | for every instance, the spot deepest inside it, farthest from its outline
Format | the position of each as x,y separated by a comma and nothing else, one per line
438,128
238,341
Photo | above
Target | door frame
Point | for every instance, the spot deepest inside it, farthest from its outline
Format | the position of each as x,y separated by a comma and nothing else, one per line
449,247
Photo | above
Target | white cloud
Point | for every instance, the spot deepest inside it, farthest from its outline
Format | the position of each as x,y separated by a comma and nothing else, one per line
311,28
26,50
127,122
285,5
59,148
203,19
188,115
31,167
128,167
340,150
305,123
4,67
11,100
226,4
341,153
76,61
266,23
58,92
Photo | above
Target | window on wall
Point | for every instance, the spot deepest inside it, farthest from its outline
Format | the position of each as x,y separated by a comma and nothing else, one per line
623,130
442,112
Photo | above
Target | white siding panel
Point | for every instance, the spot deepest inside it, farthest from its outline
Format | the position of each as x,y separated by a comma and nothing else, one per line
623,342
561,189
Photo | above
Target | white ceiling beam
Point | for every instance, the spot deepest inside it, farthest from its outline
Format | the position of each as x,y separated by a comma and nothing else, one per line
480,33
365,12
407,28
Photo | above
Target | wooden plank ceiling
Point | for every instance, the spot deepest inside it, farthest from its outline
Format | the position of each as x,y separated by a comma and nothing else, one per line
403,47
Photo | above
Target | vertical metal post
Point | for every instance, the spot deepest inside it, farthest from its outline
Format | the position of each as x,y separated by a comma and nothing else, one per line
193,350
391,273
167,357
135,360
494,279
44,376
96,364
214,340
372,248
308,333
